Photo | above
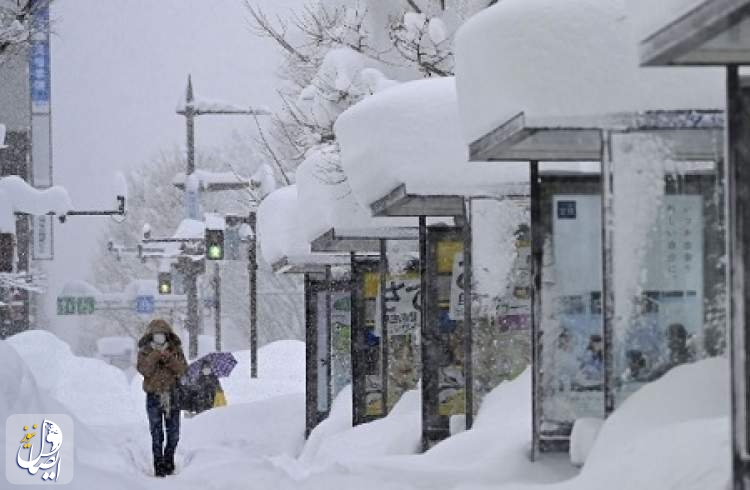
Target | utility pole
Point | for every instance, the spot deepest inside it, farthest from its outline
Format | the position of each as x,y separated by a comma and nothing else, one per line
252,269
217,306
192,190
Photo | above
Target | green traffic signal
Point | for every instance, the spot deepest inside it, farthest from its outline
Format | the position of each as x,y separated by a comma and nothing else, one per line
215,252
164,288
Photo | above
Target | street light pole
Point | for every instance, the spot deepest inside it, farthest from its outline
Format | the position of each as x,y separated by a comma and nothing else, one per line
252,269
191,210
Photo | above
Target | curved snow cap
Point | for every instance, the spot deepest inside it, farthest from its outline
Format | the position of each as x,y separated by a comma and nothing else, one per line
16,195
410,134
326,200
279,228
572,58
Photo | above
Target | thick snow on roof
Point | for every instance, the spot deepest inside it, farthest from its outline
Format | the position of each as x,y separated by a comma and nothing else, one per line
549,58
18,196
279,229
410,134
649,16
326,200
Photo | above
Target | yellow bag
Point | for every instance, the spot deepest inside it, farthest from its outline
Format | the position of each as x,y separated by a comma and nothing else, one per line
220,400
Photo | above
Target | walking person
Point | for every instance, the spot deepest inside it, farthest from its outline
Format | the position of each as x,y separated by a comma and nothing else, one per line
161,362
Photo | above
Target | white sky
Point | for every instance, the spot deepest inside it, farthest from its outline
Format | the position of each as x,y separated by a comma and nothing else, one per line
119,68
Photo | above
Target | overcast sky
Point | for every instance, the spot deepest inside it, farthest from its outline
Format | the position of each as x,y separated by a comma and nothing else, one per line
119,69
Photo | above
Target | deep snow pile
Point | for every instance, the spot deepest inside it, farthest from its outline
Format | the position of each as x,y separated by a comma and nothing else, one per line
95,392
410,134
337,442
98,464
549,58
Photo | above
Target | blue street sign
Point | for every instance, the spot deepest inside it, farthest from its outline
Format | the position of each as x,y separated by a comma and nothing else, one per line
144,304
39,62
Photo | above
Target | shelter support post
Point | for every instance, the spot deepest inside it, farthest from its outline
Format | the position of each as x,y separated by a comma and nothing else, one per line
384,350
537,241
311,356
738,199
607,297
327,359
468,324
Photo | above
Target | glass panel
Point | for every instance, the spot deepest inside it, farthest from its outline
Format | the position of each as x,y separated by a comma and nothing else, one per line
341,337
668,258
372,363
570,377
402,318
322,351
501,258
449,307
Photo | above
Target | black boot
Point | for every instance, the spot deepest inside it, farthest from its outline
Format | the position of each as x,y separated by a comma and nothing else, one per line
159,466
168,461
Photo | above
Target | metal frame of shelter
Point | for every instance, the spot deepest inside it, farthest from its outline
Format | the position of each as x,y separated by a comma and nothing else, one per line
693,136
715,33
316,269
399,202
367,248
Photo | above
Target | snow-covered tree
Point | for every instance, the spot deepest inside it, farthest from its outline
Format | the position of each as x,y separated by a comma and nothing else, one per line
337,52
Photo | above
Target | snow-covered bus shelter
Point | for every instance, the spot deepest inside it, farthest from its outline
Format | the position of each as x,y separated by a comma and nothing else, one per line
384,333
716,33
327,299
627,262
413,169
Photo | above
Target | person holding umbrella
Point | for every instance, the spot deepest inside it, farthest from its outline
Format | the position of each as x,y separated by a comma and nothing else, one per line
161,362
202,381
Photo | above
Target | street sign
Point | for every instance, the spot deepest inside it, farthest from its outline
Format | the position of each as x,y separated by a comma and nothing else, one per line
76,305
144,304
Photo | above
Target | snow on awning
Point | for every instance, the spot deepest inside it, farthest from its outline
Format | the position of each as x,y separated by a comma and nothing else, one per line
555,65
327,205
404,145
282,240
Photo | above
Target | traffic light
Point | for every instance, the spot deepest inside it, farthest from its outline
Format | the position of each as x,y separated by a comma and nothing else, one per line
214,244
165,283
7,252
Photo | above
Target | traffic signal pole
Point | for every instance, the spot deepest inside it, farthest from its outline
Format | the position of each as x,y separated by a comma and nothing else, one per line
252,269
191,277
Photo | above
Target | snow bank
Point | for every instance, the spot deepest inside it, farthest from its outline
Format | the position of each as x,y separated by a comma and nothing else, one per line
576,58
281,371
279,228
400,432
339,420
494,451
97,464
326,199
92,390
410,134
271,427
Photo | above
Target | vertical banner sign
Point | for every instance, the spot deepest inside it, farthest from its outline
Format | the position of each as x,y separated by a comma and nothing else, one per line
42,227
40,90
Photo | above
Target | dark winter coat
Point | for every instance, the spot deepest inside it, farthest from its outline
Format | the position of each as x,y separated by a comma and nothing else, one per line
160,369
207,387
